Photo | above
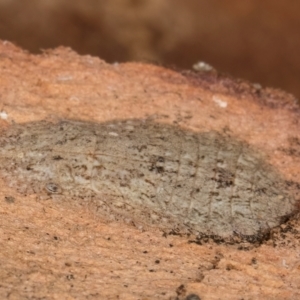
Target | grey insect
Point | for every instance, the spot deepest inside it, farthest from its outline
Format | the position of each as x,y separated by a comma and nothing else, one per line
155,175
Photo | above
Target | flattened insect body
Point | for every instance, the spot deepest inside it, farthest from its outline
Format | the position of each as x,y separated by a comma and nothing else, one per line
154,174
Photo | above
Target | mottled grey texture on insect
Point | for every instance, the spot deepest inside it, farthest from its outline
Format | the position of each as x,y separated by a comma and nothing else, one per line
152,174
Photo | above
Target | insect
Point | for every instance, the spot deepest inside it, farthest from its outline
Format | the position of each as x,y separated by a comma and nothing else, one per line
156,175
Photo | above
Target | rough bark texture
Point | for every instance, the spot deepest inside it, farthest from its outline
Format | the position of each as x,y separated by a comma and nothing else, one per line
59,250
252,39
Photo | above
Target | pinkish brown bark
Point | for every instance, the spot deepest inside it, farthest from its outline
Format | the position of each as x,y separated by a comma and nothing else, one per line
57,250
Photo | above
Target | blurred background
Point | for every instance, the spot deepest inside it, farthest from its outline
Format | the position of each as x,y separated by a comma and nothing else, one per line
251,39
